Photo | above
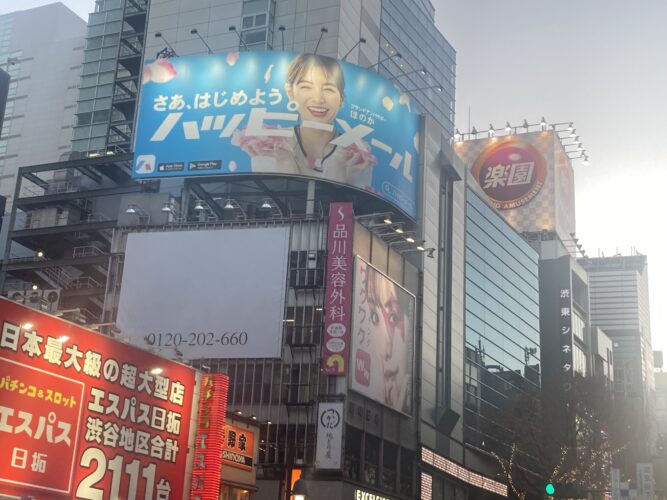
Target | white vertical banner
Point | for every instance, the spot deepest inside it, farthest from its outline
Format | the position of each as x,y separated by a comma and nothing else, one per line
645,481
615,484
329,436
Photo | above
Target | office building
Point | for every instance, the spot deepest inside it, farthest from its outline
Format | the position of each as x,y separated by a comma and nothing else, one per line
619,296
41,49
398,443
502,332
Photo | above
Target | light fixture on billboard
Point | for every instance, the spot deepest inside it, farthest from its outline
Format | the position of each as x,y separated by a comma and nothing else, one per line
167,207
438,88
573,134
194,31
142,216
410,239
543,124
580,146
323,30
570,127
387,220
421,71
166,42
40,254
361,40
398,230
586,162
508,127
395,54
492,131
233,28
282,28
199,206
474,133
266,204
229,205
458,135
525,124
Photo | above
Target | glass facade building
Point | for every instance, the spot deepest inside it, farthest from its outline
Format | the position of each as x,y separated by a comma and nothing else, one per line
502,325
108,89
426,67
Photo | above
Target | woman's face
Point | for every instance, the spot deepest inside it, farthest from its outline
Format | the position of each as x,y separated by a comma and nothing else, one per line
388,324
317,96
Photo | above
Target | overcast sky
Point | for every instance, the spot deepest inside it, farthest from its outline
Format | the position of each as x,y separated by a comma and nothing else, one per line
599,63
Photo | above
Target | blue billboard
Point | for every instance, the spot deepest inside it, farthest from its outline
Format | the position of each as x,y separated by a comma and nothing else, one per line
278,113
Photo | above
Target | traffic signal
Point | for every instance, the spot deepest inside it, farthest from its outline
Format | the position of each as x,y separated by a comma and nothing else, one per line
550,488
560,490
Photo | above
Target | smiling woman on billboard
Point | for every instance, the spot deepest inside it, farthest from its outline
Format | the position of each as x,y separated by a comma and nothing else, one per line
316,87
278,113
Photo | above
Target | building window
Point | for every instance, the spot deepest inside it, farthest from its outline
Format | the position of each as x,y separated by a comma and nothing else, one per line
578,326
352,461
578,360
371,460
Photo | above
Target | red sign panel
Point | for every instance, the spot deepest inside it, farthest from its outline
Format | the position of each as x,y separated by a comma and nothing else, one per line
238,447
206,470
84,416
338,293
511,173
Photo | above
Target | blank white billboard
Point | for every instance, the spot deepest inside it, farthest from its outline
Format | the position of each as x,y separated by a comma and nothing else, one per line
206,294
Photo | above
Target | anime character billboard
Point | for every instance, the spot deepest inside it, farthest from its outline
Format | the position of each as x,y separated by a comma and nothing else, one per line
278,113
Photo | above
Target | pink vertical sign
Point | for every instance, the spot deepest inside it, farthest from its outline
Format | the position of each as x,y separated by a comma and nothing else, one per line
338,292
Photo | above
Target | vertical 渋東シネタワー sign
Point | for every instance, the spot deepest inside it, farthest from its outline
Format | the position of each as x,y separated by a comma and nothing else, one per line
338,290
84,416
274,112
207,469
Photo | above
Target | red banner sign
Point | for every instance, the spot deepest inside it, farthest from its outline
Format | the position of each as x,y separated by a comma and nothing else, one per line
206,470
338,293
84,416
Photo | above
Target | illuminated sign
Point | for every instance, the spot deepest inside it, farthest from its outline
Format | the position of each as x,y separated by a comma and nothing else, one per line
367,495
383,323
238,447
85,416
206,469
459,472
338,292
511,173
528,177
278,113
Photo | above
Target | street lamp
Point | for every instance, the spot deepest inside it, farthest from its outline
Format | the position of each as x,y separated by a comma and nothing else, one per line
299,490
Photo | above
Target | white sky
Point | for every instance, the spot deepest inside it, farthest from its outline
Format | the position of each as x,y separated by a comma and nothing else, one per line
601,64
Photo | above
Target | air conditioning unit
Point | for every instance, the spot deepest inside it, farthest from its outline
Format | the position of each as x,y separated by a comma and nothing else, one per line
47,300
